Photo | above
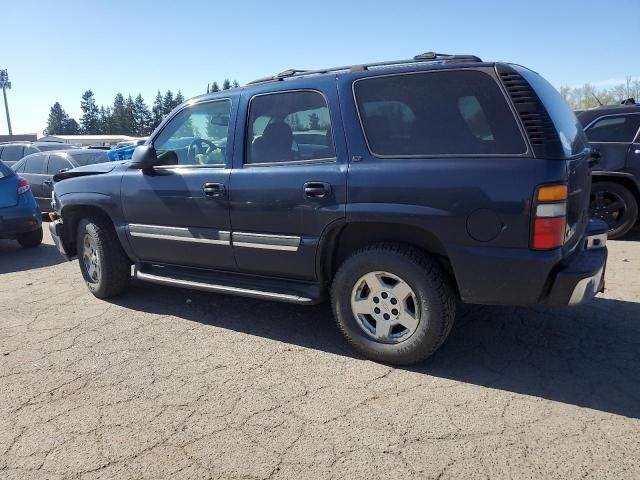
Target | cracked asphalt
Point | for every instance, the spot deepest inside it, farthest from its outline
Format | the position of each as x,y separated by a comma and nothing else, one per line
169,383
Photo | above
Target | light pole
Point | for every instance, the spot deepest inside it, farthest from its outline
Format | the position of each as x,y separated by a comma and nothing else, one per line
6,84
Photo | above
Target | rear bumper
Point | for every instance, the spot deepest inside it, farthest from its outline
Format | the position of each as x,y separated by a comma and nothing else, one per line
17,220
582,277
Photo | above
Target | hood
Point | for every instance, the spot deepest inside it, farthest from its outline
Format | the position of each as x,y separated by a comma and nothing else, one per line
95,169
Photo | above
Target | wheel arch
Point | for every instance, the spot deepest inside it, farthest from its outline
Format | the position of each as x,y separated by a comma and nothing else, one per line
625,179
342,239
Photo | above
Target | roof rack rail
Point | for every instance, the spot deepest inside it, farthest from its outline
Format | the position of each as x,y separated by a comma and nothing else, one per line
423,57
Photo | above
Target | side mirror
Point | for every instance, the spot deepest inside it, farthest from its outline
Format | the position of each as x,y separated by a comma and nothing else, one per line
144,157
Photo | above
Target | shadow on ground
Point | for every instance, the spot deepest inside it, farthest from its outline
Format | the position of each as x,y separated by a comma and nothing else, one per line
587,356
14,258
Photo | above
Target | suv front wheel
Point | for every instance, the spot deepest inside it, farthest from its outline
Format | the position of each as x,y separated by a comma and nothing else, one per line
394,304
104,265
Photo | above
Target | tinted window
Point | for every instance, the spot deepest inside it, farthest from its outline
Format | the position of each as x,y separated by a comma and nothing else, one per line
5,171
195,136
569,129
57,163
89,158
437,113
18,167
35,164
619,128
54,146
12,153
289,126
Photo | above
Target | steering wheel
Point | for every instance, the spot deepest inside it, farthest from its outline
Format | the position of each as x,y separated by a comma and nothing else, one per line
200,146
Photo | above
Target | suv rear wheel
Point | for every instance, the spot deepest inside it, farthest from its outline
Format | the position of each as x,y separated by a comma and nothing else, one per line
393,303
616,205
104,265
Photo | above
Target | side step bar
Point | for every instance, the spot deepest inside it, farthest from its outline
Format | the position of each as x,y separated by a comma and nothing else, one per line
216,288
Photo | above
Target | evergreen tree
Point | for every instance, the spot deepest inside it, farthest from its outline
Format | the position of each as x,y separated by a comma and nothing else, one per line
314,121
226,85
60,123
142,118
207,89
235,84
119,117
104,121
167,103
215,87
129,108
157,112
90,114
179,99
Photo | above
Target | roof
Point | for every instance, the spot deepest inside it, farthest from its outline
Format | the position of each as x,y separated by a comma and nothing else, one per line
588,116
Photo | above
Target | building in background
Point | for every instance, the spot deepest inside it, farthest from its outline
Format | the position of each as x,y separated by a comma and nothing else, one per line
26,137
88,140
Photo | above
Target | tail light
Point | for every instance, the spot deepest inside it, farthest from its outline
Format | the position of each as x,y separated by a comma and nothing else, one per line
550,217
23,186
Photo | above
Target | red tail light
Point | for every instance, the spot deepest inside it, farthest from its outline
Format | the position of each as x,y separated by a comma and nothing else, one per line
23,186
550,217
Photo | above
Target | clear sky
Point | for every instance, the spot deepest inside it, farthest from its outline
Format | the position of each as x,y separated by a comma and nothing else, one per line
55,50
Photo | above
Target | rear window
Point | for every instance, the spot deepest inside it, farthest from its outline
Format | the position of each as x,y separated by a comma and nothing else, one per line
567,125
12,153
55,146
437,113
616,128
89,158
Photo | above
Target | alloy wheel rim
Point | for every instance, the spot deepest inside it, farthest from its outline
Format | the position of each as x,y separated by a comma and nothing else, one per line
610,207
90,258
385,307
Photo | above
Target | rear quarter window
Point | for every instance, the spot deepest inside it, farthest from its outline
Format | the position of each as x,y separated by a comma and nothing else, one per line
437,113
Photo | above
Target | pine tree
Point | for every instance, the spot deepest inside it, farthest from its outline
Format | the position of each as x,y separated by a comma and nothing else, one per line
207,89
167,103
104,121
157,112
215,87
226,85
235,84
60,123
142,118
179,99
120,121
314,121
90,114
129,108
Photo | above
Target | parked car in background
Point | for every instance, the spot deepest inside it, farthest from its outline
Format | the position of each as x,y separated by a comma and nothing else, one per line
10,153
614,130
39,169
124,150
395,189
19,213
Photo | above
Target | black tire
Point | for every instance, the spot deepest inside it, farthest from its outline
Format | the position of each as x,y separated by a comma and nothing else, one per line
604,196
114,273
435,299
30,239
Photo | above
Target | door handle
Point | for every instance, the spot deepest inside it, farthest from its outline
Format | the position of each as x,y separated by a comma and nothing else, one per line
48,181
213,189
316,189
637,151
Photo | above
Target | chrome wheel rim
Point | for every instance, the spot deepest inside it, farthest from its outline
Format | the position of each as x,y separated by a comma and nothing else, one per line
90,258
385,307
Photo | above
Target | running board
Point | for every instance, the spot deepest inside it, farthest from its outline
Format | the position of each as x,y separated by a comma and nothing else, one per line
207,286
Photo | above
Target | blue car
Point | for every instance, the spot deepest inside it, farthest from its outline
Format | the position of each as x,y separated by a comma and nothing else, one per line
20,217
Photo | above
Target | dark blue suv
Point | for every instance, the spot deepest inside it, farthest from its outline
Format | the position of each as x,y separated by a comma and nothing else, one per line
395,189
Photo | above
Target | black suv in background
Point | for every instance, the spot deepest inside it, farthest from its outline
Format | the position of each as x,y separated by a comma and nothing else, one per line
396,189
10,153
614,130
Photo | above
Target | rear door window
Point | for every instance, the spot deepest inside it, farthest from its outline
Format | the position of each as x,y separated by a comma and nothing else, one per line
616,128
437,113
35,164
57,163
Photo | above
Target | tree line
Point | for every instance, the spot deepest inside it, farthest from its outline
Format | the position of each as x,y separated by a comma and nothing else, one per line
126,116
590,96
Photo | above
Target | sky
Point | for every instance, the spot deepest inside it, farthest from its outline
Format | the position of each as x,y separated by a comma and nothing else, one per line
55,50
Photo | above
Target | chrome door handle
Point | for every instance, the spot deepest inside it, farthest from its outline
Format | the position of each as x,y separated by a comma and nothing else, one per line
213,189
637,151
